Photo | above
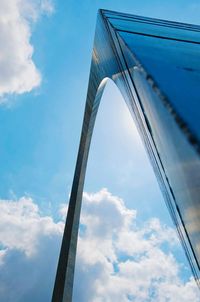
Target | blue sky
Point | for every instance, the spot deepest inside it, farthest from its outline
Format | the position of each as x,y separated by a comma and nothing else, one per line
42,94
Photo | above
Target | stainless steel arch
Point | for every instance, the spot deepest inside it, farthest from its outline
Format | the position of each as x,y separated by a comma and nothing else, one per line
172,143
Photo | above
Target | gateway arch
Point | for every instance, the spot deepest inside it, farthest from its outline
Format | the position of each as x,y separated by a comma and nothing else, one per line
156,66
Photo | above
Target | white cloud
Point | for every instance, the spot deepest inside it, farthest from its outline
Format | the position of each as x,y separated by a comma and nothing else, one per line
119,259
29,251
18,71
22,226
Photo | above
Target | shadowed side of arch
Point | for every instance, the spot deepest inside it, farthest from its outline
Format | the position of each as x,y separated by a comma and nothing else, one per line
65,271
63,287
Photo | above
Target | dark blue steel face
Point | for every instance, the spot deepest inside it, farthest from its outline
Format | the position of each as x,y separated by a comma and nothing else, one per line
170,55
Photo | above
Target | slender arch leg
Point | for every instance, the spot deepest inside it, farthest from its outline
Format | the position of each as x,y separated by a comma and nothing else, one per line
65,272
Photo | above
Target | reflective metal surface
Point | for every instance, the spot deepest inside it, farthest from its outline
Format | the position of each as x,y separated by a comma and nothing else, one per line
156,65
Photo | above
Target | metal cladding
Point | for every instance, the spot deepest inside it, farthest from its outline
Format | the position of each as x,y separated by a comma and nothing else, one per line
156,66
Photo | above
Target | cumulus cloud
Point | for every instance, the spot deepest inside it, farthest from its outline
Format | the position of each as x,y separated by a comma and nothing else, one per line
21,225
18,71
29,251
118,259
121,260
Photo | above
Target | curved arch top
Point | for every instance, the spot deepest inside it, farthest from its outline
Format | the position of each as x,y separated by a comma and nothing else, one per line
146,58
